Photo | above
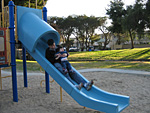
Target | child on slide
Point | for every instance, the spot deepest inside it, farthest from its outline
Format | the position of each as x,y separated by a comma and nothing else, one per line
66,65
64,61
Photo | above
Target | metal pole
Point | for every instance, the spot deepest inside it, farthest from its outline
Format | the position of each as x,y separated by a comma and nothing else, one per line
47,82
12,45
60,93
24,67
45,14
46,74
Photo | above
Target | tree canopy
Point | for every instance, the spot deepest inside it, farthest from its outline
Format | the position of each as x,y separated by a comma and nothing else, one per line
82,27
133,19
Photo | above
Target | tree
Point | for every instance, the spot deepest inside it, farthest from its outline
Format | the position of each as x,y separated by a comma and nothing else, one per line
128,24
89,26
105,30
79,31
93,24
94,38
82,27
139,12
133,21
68,28
147,14
56,23
116,12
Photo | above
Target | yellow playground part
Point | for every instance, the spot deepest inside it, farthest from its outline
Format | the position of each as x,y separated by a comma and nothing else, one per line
51,82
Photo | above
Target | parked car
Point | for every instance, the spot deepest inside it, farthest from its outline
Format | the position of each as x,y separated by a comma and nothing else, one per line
73,49
91,48
64,48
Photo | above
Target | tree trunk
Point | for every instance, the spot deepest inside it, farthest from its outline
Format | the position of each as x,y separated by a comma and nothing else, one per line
132,44
67,42
82,45
119,40
86,44
77,42
105,43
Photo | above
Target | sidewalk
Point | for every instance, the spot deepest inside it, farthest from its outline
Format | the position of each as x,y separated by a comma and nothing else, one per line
116,70
91,70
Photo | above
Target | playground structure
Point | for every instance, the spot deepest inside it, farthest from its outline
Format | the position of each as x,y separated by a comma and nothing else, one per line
8,19
5,55
33,32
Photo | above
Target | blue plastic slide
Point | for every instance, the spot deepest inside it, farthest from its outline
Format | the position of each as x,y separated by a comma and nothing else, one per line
33,33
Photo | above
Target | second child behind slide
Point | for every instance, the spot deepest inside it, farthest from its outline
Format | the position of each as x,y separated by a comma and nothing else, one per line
64,60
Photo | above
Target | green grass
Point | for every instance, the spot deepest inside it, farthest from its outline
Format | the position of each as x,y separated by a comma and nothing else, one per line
31,65
125,54
131,65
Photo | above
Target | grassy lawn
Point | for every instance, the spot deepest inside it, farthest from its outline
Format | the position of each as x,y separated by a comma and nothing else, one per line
132,65
125,54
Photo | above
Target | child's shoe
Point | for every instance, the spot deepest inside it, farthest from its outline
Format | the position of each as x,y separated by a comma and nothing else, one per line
88,85
65,71
79,86
71,72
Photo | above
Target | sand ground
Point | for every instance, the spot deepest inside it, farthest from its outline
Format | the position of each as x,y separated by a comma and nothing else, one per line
34,99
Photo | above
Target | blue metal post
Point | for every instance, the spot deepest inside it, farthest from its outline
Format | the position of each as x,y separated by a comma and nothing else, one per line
45,14
12,46
47,82
46,74
24,67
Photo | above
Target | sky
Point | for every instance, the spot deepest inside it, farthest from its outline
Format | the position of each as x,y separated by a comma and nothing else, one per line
64,8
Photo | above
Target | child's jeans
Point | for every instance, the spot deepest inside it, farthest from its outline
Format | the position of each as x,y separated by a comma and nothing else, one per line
66,65
71,77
